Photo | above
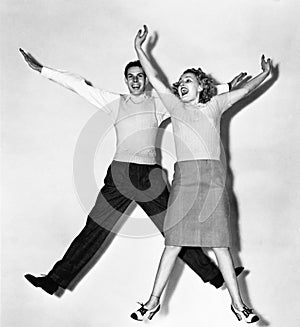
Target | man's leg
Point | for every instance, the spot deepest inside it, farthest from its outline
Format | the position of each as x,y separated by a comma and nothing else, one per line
80,251
109,207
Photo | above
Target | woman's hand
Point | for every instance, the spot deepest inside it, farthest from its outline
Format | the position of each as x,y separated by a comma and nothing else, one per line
265,65
140,37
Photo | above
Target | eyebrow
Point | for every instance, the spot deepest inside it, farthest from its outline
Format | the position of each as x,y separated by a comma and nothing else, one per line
187,76
131,74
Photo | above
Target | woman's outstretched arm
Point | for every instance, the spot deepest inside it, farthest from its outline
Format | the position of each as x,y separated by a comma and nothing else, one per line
251,85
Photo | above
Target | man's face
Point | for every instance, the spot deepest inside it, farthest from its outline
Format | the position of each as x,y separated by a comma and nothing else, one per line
136,80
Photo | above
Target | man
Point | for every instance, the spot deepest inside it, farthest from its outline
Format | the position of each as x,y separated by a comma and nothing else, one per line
133,175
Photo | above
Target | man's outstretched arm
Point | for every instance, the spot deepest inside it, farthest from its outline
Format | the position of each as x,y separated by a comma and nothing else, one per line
236,82
98,97
31,61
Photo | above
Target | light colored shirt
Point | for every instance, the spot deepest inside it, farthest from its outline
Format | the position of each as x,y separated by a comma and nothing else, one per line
136,119
196,128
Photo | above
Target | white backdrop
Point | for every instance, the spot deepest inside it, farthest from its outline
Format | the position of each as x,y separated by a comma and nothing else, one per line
42,125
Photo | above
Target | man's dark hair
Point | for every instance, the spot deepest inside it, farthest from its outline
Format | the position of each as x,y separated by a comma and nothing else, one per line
135,63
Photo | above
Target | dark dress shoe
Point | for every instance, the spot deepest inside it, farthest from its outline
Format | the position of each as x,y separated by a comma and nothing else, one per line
45,283
218,281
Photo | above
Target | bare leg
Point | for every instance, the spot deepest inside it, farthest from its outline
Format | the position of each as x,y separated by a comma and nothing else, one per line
165,267
226,266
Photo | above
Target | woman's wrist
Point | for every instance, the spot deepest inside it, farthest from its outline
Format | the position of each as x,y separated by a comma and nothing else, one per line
266,72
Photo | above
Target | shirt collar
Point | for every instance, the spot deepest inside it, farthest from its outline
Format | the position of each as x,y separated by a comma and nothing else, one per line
130,97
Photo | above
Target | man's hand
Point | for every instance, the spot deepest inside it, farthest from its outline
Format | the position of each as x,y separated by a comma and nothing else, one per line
31,61
141,37
237,80
266,65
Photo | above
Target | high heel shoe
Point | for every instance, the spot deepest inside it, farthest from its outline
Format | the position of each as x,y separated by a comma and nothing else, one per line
246,314
143,313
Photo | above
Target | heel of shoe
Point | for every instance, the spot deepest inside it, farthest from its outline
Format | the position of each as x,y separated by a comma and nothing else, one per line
238,316
151,314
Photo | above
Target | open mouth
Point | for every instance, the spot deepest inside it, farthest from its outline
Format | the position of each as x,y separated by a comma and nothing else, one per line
136,86
184,91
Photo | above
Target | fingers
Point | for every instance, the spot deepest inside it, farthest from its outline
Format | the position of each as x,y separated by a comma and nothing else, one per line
238,78
263,59
145,32
24,54
266,65
142,33
242,75
27,56
145,29
22,51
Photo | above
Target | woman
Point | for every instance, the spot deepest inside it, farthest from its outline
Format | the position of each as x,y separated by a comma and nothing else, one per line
197,214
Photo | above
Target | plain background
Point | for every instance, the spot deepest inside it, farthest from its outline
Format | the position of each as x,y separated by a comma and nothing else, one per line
43,126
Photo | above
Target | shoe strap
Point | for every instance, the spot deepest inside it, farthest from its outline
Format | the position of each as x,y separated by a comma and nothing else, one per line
142,309
247,312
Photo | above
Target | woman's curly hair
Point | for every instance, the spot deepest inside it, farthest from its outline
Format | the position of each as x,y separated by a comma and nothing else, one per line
206,81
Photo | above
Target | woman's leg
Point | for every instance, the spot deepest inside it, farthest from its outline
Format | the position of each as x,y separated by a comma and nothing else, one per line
165,267
241,311
226,266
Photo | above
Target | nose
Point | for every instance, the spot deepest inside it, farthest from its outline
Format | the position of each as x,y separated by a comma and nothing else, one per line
135,78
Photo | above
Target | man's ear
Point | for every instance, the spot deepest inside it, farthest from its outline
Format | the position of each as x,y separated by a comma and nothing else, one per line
125,80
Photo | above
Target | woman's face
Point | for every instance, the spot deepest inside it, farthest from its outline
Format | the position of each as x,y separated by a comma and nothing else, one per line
189,88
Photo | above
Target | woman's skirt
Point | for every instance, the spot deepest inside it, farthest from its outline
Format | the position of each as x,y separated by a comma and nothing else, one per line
198,211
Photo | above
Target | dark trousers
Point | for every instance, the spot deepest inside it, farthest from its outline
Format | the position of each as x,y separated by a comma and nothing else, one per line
124,183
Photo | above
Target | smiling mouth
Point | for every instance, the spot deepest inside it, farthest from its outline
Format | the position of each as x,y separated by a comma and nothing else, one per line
136,86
